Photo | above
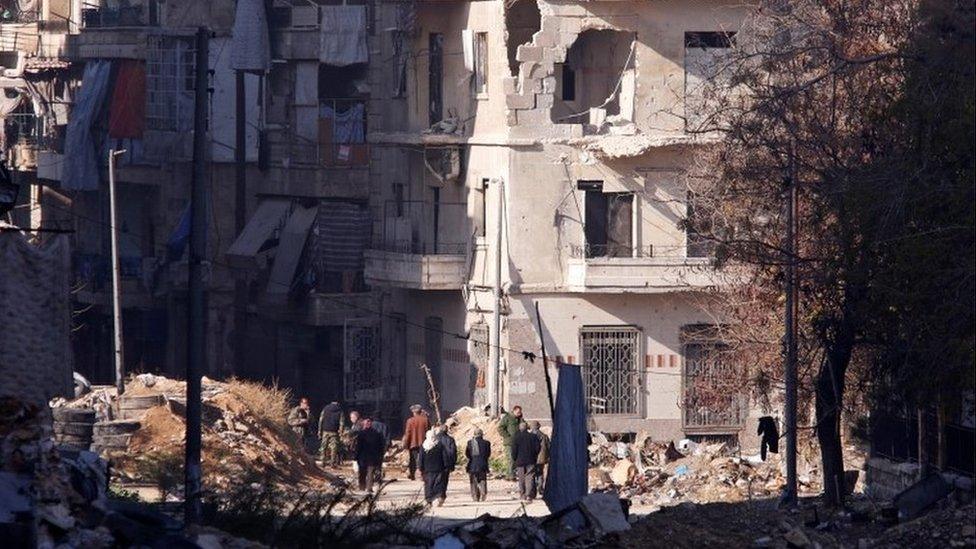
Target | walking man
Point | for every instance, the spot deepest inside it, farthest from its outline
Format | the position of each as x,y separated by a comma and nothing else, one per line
543,460
298,420
434,468
414,432
508,428
525,454
331,426
450,452
478,453
370,448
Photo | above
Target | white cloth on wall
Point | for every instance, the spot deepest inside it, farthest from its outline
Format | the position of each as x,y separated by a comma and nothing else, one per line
251,43
342,35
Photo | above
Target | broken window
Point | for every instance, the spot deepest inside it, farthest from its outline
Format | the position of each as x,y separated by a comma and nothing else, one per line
608,221
707,76
598,80
522,20
610,360
170,62
435,64
698,224
712,396
480,80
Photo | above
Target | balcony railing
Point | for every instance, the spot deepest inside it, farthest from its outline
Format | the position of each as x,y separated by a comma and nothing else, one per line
589,251
427,228
340,140
141,14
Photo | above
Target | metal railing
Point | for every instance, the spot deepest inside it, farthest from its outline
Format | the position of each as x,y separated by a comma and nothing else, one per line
712,389
98,15
588,251
340,141
420,227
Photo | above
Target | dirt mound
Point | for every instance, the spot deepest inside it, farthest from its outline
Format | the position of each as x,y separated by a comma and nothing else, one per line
245,435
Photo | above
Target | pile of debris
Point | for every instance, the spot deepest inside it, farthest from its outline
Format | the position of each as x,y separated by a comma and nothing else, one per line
950,527
51,497
654,473
465,420
245,435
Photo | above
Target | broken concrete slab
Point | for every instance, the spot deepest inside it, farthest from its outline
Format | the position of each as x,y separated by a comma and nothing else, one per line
604,511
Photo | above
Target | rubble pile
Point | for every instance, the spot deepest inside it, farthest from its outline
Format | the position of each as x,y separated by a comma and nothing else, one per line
663,474
245,435
465,420
950,527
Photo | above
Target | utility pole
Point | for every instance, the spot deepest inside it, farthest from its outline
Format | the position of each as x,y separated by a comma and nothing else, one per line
494,398
240,208
116,297
790,490
196,363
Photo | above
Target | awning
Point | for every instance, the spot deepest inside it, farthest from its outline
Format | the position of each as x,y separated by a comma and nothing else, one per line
290,246
270,215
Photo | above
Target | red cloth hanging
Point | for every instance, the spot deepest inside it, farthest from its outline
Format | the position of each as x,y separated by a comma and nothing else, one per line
127,115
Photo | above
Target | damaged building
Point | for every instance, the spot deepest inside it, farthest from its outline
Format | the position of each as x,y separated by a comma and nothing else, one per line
397,153
550,138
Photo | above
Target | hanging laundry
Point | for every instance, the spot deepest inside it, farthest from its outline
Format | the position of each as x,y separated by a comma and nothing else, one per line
251,42
342,35
80,168
127,114
770,436
348,126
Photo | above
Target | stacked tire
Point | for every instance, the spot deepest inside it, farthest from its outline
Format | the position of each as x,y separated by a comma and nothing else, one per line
134,407
113,436
73,427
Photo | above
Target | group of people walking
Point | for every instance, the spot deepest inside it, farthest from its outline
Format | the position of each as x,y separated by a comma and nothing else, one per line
432,450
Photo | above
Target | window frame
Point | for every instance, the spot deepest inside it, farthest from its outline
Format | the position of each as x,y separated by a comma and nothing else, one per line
638,388
479,78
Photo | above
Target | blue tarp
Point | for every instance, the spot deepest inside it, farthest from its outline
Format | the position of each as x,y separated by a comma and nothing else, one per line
80,166
568,459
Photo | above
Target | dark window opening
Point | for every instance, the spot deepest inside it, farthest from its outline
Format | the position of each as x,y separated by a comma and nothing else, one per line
608,224
568,83
522,20
709,39
435,59
481,208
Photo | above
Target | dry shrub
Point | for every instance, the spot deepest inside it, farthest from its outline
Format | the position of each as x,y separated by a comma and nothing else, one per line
269,404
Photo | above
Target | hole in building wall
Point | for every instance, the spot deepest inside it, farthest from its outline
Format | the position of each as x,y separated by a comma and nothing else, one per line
599,72
522,20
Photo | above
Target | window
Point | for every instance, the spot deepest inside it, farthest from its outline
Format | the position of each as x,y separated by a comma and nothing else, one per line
398,198
170,64
598,72
481,207
608,221
400,56
435,64
480,63
697,222
611,377
713,401
706,76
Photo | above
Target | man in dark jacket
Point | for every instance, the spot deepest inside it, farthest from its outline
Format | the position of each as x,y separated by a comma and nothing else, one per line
331,426
543,459
525,453
370,448
508,427
478,453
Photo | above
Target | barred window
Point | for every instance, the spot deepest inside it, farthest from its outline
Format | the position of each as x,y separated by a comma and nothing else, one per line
611,373
712,386
170,62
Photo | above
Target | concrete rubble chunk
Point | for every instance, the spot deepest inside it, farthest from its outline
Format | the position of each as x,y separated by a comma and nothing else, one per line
604,512
623,472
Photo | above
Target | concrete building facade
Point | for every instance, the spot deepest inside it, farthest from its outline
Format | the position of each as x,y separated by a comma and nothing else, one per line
570,121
